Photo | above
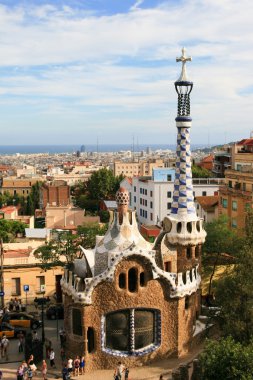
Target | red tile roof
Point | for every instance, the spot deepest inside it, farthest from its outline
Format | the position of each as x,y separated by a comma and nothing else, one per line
208,202
8,209
247,142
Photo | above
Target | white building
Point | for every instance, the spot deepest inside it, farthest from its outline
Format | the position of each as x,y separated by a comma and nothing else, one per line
151,197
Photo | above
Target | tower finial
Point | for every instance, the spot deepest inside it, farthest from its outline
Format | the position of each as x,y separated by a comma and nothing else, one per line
183,59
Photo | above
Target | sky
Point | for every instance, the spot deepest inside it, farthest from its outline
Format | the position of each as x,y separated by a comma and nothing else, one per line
78,71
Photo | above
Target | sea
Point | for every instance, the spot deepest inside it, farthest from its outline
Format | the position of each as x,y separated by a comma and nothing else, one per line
54,149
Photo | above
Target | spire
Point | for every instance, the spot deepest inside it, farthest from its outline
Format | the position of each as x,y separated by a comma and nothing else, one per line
183,200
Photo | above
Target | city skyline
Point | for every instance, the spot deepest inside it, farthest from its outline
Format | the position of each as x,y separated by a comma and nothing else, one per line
76,71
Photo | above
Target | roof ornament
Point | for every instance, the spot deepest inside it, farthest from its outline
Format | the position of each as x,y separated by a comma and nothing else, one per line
183,59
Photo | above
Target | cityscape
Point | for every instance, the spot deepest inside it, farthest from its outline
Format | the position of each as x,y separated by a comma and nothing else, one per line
126,184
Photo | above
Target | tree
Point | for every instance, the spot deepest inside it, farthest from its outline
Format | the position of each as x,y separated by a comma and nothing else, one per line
101,184
226,359
67,246
198,172
220,239
10,228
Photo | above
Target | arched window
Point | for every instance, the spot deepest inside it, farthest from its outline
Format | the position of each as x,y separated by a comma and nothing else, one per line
131,331
142,279
187,302
122,281
188,252
91,339
132,280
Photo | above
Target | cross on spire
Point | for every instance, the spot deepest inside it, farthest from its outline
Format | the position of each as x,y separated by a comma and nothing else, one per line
183,59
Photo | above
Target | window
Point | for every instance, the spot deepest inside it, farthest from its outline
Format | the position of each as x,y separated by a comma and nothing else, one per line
146,191
230,184
187,302
244,186
134,199
151,193
40,281
91,339
167,266
224,203
168,194
168,205
141,190
188,252
135,189
141,201
132,280
234,223
247,206
146,214
122,280
168,177
151,204
15,286
203,193
77,322
151,216
142,279
131,331
146,202
140,211
234,205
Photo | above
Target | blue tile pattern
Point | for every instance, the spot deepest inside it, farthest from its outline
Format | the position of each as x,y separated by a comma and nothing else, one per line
183,199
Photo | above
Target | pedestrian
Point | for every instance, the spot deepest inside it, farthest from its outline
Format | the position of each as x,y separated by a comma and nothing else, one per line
35,336
126,373
31,363
76,366
20,372
25,369
4,347
82,365
70,365
44,370
65,373
29,373
52,357
119,371
1,375
20,337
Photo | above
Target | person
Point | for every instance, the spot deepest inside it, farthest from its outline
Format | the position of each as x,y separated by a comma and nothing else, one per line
52,357
76,366
119,371
35,336
20,337
70,365
44,370
62,336
31,363
20,372
4,347
29,373
126,373
65,373
25,369
1,375
82,365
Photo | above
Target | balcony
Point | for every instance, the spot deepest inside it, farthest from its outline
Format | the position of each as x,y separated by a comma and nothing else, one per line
225,190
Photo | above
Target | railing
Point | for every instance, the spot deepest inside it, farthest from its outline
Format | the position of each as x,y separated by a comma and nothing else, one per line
232,191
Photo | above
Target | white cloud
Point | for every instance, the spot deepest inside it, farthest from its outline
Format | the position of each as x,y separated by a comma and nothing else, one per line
117,63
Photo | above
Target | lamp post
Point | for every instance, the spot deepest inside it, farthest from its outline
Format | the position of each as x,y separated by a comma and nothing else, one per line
41,302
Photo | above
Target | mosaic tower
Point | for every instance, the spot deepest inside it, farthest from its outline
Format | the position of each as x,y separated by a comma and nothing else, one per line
132,300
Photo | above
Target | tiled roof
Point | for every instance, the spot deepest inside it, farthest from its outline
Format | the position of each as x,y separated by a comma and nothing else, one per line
208,202
8,209
245,142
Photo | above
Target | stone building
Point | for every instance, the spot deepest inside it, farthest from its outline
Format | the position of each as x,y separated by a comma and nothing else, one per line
128,299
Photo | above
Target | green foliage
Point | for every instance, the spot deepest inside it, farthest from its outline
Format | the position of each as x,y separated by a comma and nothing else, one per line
220,239
67,245
104,216
101,184
90,205
88,233
33,199
227,359
234,293
10,228
198,172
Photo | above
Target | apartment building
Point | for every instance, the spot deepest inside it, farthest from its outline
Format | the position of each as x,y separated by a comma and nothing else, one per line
18,186
236,193
132,169
151,197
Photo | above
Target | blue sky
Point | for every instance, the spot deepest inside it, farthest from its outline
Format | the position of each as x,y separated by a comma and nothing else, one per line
77,70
